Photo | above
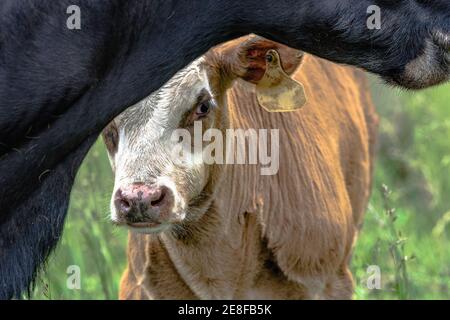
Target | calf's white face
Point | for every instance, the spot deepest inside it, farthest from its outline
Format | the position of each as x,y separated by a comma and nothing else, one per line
153,191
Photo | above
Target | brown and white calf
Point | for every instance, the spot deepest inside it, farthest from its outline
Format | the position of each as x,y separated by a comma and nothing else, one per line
225,231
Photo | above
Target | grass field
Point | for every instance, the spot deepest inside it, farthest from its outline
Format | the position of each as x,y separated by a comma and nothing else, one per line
406,231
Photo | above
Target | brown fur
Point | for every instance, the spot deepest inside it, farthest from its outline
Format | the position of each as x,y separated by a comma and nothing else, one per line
287,236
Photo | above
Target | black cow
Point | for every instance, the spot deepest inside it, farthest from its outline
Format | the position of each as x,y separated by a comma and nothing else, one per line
60,87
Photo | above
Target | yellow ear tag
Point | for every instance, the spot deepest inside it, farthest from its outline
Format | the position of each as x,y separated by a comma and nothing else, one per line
276,91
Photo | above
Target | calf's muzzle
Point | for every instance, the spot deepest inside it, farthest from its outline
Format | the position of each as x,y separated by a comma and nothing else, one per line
141,205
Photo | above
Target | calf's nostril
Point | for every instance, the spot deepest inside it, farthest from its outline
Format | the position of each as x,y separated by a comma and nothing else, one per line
124,205
160,199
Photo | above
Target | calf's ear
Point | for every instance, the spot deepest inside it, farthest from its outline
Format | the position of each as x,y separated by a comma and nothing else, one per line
269,65
246,58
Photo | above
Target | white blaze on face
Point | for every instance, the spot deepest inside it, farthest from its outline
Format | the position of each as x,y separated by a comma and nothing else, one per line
144,152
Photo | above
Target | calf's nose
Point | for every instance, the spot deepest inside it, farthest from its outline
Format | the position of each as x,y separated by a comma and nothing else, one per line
143,203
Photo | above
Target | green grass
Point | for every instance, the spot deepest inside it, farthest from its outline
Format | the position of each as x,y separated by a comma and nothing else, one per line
89,239
406,230
405,233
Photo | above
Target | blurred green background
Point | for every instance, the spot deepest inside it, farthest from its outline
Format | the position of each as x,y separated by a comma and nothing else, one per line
406,231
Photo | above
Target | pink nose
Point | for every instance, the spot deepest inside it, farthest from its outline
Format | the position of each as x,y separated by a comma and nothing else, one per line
142,203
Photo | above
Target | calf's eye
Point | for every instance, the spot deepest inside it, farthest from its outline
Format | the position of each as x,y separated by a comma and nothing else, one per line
200,111
203,109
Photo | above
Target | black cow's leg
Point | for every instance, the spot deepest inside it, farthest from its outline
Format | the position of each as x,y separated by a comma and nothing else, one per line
28,237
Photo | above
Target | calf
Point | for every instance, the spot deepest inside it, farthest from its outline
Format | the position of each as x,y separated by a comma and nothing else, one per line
225,230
